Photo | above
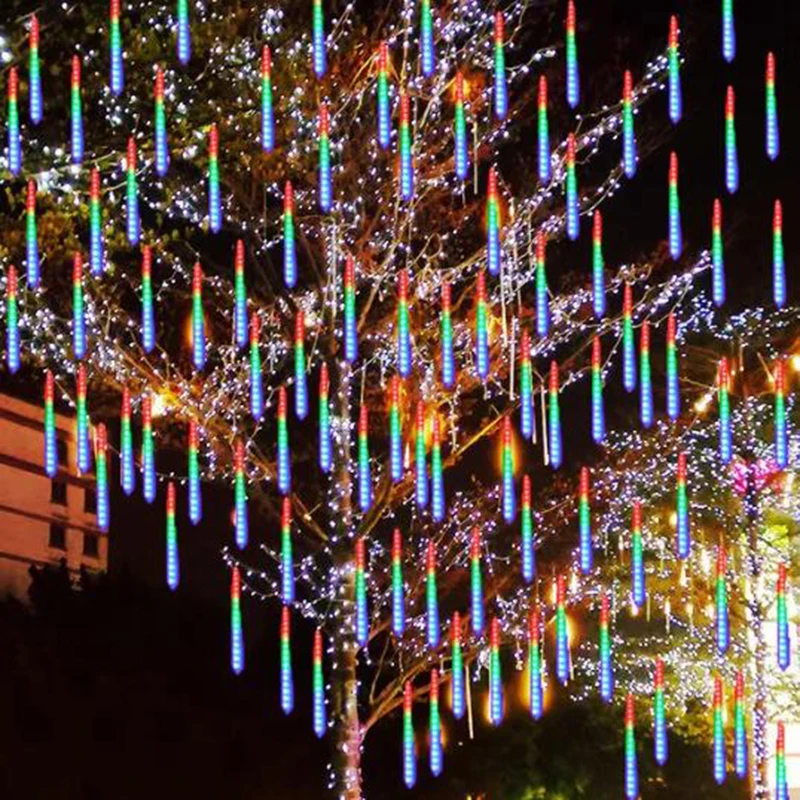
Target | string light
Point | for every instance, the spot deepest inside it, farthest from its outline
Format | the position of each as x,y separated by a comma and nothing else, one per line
573,207
115,42
457,667
728,31
528,553
421,469
435,725
460,131
84,451
101,473
325,444
350,329
629,156
289,253
78,322
645,383
132,194
556,452
585,523
675,233
448,357
362,617
405,144
719,732
659,716
364,471
431,595
781,782
781,435
240,496
562,637
725,443
631,767
395,434
598,412
481,329
628,344
403,326
682,511
325,187
638,590
731,154
427,52
12,321
126,464
778,266
214,201
509,494
287,681
300,383
493,225
739,728
284,460
773,135
675,97
606,662
598,279
500,87
526,387
535,666
384,112
495,674
240,297
193,469
267,111
76,113
287,563
318,687
783,645
148,451
173,568
148,314
237,642
409,751
437,474
673,385
31,237
161,148
14,138
184,41
318,41
34,73
398,589
573,81
476,582
198,319
718,259
96,257
50,449
545,168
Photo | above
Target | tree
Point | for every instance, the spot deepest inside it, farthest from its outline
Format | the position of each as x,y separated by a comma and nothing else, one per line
342,287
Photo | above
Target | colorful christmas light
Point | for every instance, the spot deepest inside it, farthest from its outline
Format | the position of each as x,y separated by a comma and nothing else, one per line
645,380
573,210
431,598
364,471
267,111
184,41
435,725
84,451
133,224
778,265
573,80
631,767
318,687
781,436
325,186
318,40
240,496
162,152
14,139
437,474
500,87
173,566
493,225
256,380
739,728
675,232
674,77
598,410
447,355
598,264
731,153
535,666
556,451
148,451
629,156
395,434
784,645
585,523
462,149
457,667
717,256
287,681
127,477
475,582
562,636
682,511
300,383
50,449
78,320
405,145
495,674
673,385
214,200
148,313
237,642
773,135
543,141
426,48
526,544
725,436
659,716
34,73
403,325
421,469
239,297
398,589
721,603
115,43
509,493
482,329
384,111
96,257
638,590
350,324
526,387
542,293
198,319
289,251
12,321
284,459
628,344
76,112
193,470
781,782
101,473
606,665
325,443
409,751
728,31
287,563
719,732
31,237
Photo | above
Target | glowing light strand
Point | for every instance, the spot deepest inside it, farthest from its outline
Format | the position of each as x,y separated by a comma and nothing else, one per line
84,450
606,673
161,146
778,265
184,41
384,111
554,415
350,324
237,642
638,589
133,225
427,52
784,650
437,474
457,667
50,448
495,674
460,131
96,248
781,433
32,264
101,473
148,451
509,492
256,380
398,588
573,78
325,181
629,156
318,688
631,766
300,382
12,321
240,496
585,523
287,679
526,544
682,525
409,750
500,87
319,55
526,410
773,141
287,561
493,249
325,440
573,208
675,232
115,44
675,95
448,364
562,636
289,249
476,582
645,380
717,256
673,381
723,390
728,31
435,726
126,462
598,409
543,141
731,152
420,467
719,732
148,313
214,198
404,356
628,344
598,265
431,598
364,470
76,113
78,319
14,138
535,666
198,320
740,749
660,744
34,73
284,458
173,566
267,110
405,144
542,293
193,470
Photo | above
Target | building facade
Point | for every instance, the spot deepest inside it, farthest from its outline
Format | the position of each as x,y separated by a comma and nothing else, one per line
43,522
